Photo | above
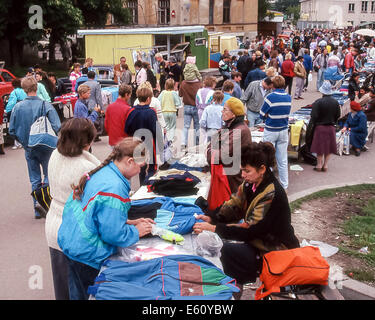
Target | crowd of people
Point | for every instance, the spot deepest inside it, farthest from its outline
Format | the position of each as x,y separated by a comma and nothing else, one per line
256,89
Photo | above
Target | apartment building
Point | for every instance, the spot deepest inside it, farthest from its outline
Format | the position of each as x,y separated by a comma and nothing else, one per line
337,13
238,17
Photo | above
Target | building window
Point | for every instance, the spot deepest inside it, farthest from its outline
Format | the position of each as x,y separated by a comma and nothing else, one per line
132,5
364,6
226,11
211,12
164,12
372,6
351,7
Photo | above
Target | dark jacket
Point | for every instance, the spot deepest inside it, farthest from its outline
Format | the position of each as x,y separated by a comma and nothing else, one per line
370,111
325,111
353,87
227,141
244,65
254,75
266,213
144,117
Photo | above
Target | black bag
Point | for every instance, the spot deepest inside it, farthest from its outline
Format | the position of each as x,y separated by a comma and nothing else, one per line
43,197
316,69
308,157
99,125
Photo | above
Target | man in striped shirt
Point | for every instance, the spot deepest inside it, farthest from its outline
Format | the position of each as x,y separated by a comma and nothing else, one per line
275,112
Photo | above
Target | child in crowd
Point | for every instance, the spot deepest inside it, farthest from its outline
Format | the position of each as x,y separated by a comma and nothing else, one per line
191,72
211,120
142,116
227,89
74,75
81,109
170,102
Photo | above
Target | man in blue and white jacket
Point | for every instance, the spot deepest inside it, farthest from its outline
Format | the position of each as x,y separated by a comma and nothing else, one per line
275,112
24,114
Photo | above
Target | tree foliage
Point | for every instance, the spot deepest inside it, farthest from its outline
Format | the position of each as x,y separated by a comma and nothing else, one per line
263,9
61,18
283,5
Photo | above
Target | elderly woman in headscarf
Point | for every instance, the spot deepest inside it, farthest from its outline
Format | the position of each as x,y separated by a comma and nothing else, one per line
224,152
357,124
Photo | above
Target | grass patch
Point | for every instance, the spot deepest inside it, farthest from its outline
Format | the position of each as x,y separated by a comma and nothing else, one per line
330,193
361,229
361,275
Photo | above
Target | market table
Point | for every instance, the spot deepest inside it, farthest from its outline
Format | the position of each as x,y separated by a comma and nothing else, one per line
151,247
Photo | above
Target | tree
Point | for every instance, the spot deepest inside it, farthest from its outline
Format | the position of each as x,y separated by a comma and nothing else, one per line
294,13
263,9
61,18
15,28
283,5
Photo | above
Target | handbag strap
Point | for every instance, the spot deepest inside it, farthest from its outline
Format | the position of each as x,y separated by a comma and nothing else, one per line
44,113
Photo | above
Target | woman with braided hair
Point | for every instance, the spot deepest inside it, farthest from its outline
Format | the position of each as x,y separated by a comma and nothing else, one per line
67,164
95,220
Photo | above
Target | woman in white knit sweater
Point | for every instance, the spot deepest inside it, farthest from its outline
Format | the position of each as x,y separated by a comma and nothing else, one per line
66,166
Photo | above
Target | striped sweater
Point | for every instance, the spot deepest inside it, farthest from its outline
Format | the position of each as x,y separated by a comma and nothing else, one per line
94,227
275,110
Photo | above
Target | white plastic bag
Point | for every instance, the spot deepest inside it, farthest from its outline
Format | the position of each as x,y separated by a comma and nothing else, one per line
310,77
326,250
208,244
346,149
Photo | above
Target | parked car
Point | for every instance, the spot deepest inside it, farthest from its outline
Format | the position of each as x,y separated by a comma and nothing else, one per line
104,72
6,78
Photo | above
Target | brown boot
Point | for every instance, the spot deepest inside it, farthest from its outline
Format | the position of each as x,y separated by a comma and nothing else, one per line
2,149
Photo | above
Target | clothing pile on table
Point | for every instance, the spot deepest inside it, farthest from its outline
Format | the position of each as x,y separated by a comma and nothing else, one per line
174,277
109,95
177,215
174,185
67,98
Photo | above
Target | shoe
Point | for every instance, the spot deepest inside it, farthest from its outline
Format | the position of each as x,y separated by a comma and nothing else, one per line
318,169
297,98
301,98
39,212
357,153
2,149
364,148
97,139
324,169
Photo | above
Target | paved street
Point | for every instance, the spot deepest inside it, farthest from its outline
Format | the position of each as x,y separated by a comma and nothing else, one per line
23,249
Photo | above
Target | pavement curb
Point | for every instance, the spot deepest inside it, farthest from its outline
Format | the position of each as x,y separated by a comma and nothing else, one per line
355,290
351,289
298,195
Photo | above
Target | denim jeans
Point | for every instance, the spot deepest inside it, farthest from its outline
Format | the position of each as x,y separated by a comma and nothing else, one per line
320,79
253,118
36,159
190,113
280,141
81,276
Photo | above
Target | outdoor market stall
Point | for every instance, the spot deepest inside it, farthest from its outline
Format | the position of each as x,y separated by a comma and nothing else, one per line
184,247
107,46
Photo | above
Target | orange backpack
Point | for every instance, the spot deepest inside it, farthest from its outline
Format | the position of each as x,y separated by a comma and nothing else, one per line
298,266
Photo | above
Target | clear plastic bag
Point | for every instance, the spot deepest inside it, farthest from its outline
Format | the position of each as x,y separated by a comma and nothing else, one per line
208,244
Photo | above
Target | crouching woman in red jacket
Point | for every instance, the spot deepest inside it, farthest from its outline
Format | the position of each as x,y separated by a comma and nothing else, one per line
262,204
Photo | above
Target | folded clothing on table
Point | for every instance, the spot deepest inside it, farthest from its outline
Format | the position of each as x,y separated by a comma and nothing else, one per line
177,277
177,215
175,185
